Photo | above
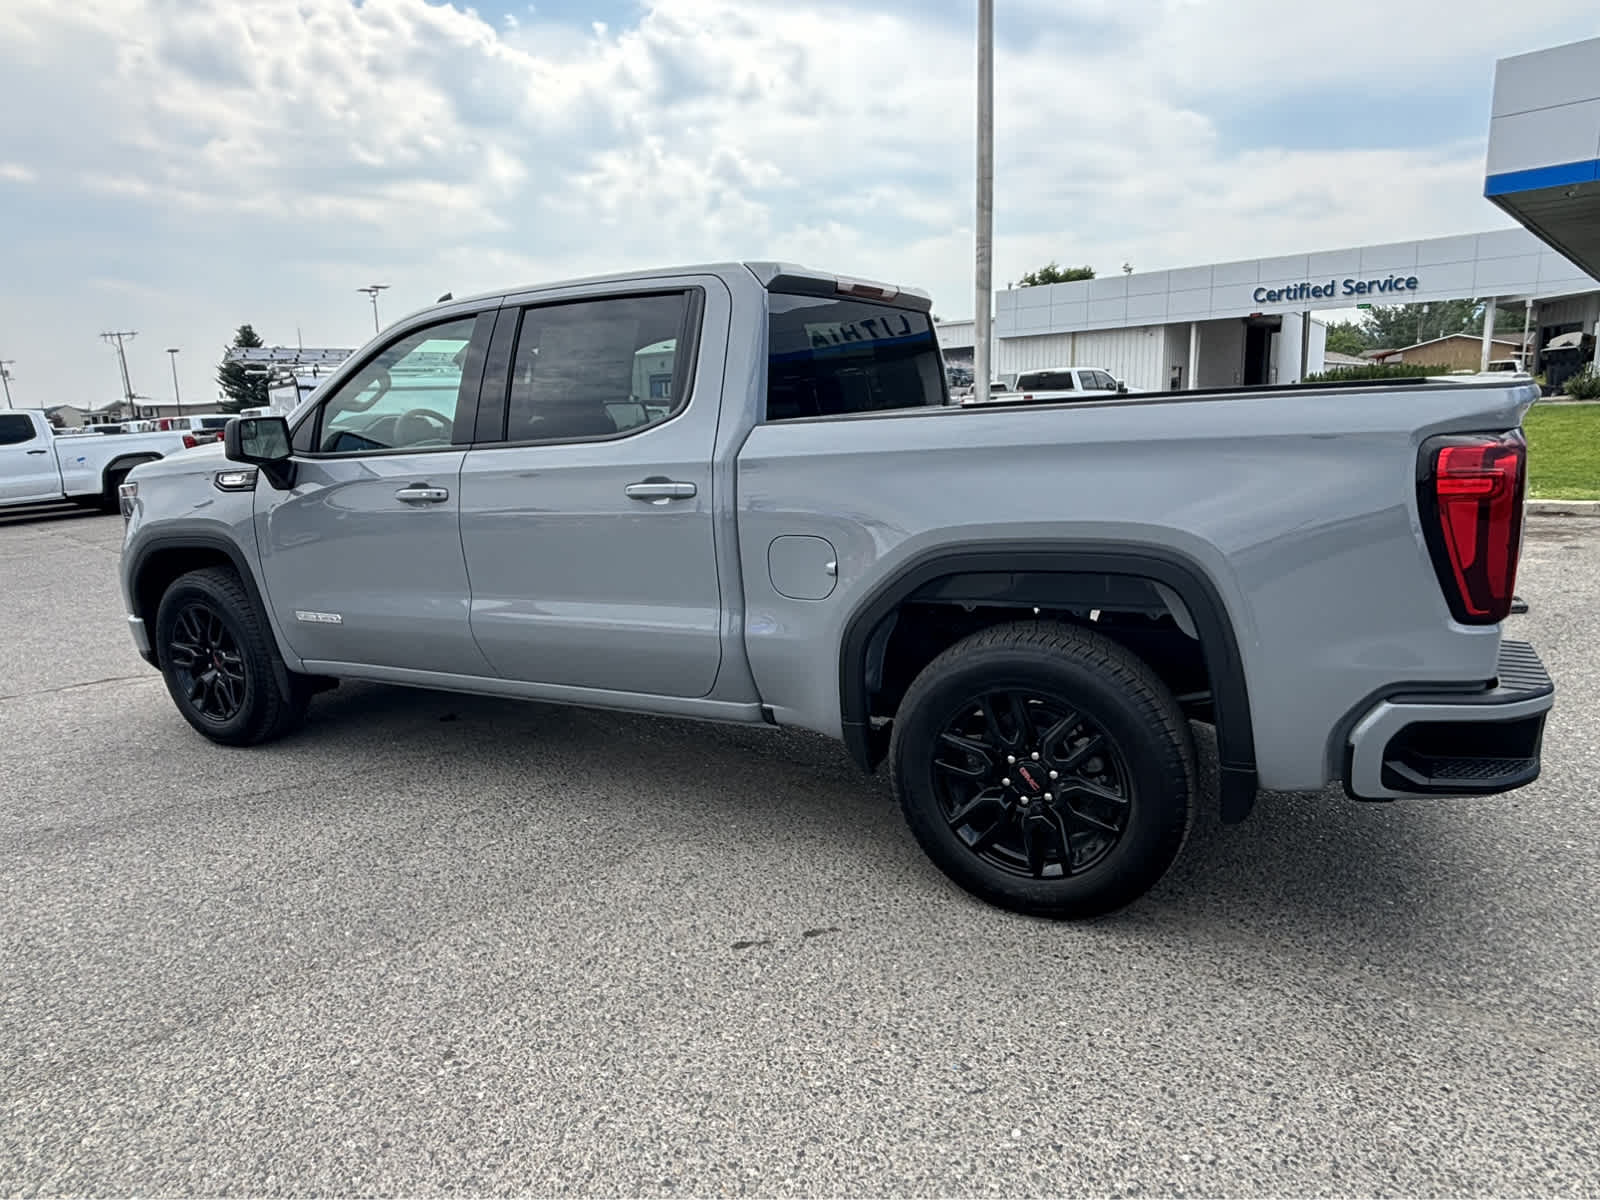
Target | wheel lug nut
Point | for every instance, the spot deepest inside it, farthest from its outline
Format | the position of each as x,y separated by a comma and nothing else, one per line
1048,796
1005,783
1011,758
1035,756
1055,774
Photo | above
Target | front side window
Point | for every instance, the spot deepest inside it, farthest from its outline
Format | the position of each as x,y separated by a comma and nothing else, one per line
831,357
406,398
599,368
15,429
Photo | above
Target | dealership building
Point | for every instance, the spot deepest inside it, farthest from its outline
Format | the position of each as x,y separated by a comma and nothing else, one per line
1255,321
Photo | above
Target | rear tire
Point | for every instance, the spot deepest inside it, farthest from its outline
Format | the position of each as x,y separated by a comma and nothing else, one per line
108,500
220,664
1045,769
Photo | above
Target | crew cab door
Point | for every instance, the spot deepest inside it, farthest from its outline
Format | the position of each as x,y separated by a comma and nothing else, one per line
28,468
587,502
361,558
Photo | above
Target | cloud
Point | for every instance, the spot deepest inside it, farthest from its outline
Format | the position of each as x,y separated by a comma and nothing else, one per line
258,161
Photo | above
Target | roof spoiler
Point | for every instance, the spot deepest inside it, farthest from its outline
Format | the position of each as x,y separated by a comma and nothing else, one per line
787,277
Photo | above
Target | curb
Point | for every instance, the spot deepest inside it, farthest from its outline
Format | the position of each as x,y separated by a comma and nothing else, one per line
1563,508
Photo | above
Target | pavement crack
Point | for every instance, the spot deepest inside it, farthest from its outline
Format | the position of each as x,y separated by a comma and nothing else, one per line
68,687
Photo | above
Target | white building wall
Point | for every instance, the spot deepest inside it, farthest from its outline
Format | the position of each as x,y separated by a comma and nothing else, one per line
1131,355
1505,262
957,335
1584,310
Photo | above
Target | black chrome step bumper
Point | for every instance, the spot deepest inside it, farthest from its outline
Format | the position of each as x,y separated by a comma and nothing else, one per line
1454,743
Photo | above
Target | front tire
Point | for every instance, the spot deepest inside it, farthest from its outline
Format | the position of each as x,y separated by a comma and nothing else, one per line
220,664
1045,769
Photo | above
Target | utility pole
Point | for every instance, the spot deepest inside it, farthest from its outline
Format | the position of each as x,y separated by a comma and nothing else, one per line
984,290
177,400
5,377
115,338
372,290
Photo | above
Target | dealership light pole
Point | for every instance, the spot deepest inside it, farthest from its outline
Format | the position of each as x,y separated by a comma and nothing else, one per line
5,377
984,291
177,400
372,290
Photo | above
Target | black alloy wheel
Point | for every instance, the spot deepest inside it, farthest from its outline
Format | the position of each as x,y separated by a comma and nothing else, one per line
1031,784
220,663
208,663
1044,768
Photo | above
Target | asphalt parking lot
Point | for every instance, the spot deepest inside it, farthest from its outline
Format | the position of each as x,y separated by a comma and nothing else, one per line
436,944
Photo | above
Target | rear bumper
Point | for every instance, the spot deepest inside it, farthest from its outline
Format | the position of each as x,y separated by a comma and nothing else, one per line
1454,743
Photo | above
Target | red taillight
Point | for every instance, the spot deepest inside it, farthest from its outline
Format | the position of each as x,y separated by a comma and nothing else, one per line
189,442
1470,493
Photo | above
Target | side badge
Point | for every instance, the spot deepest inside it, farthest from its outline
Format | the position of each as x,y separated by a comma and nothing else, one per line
316,618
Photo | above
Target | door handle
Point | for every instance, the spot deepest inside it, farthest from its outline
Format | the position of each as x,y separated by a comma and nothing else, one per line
660,491
35,451
420,492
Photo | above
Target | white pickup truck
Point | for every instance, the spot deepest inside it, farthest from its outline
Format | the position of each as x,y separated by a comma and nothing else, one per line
1055,385
38,465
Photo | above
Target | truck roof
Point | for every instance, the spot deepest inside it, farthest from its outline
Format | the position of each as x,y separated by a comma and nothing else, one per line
774,276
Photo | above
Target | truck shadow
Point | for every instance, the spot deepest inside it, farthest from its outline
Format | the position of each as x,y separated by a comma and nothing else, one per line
44,514
1317,870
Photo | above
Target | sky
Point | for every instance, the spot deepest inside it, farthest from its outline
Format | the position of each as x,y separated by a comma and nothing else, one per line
179,167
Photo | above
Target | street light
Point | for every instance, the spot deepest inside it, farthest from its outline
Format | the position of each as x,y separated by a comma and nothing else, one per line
372,290
5,377
177,400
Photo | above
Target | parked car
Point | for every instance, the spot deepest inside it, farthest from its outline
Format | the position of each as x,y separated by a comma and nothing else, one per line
1050,385
37,464
196,430
1018,608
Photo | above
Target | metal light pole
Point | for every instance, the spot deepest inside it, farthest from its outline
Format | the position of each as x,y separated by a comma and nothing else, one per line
5,377
984,264
177,400
372,290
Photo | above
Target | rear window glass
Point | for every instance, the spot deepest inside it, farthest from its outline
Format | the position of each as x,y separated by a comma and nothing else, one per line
830,357
214,422
1046,381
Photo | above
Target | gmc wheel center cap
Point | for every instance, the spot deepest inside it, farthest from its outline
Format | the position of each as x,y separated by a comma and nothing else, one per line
1032,777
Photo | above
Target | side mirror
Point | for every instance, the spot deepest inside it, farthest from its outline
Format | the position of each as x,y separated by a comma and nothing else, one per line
1121,387
264,442
259,440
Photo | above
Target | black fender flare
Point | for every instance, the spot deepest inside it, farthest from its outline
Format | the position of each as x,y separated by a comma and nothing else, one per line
178,542
125,462
1218,645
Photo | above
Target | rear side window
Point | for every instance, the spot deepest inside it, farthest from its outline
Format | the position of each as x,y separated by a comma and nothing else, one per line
214,422
15,429
1047,381
599,368
829,357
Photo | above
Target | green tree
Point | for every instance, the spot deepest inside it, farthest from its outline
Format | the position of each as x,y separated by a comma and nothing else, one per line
238,389
1346,337
1053,272
1392,326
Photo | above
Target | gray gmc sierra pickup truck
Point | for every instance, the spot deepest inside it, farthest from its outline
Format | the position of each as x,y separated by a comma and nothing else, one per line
740,493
